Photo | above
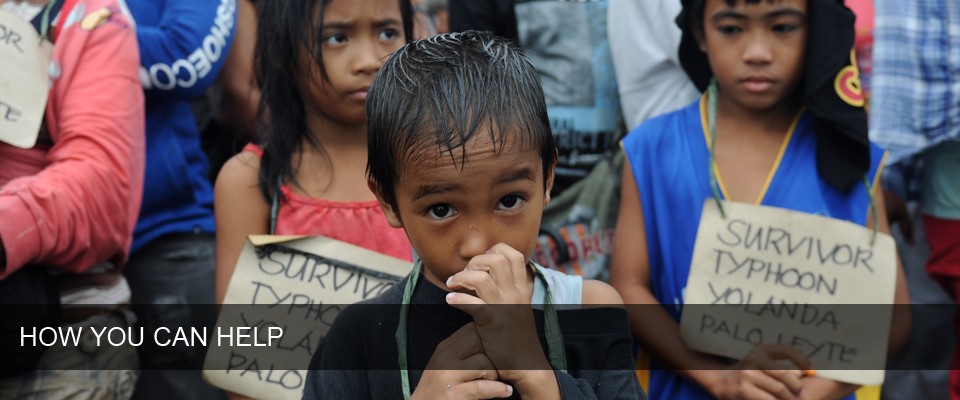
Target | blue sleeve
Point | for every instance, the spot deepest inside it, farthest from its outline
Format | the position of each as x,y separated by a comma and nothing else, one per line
183,43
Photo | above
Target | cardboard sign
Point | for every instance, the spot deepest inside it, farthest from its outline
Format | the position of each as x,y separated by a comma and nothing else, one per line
302,283
24,83
769,275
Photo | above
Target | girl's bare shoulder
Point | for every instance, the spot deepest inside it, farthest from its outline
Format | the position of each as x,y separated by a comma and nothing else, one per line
240,172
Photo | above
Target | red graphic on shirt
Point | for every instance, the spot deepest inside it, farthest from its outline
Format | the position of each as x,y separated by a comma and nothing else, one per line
847,83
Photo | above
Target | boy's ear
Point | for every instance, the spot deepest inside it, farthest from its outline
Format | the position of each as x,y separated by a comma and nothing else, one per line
393,216
549,184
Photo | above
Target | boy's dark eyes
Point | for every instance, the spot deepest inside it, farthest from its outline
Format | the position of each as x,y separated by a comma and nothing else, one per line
439,211
511,202
729,29
778,28
785,28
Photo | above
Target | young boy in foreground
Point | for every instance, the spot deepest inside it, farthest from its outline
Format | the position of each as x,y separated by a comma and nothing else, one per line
462,157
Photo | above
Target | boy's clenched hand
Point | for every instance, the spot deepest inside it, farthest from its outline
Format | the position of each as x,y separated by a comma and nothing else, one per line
458,369
503,284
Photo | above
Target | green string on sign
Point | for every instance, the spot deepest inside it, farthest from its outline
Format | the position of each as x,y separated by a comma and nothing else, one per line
712,127
873,209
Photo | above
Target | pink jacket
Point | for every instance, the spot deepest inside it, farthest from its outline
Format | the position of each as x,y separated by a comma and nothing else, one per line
73,199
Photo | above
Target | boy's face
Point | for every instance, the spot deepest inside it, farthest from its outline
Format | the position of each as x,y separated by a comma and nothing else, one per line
453,212
756,51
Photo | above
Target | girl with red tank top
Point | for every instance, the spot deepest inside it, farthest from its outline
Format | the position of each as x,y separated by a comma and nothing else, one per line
310,165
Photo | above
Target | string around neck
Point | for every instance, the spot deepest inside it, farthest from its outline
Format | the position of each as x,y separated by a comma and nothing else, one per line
714,186
873,210
275,206
712,128
401,334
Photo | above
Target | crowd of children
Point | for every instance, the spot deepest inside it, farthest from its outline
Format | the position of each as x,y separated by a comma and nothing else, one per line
377,128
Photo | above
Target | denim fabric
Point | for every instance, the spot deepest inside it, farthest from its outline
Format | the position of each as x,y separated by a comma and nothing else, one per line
81,372
166,277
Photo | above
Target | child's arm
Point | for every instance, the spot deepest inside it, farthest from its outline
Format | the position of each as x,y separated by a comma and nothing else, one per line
900,324
825,389
660,333
240,95
240,210
615,377
178,41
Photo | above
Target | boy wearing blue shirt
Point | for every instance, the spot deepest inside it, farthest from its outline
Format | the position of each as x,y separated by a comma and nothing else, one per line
183,45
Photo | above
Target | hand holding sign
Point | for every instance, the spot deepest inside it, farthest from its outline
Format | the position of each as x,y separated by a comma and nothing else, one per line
762,375
767,275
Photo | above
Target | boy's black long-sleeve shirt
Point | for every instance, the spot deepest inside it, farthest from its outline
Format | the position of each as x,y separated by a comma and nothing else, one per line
358,358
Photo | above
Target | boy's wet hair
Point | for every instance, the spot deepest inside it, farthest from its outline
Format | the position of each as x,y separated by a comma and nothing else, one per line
436,94
288,32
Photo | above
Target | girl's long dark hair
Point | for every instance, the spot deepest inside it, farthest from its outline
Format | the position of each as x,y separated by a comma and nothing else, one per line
284,28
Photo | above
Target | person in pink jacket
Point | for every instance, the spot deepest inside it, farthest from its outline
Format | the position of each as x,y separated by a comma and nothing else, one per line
68,205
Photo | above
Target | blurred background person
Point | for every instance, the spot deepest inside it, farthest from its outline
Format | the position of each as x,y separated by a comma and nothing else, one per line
567,43
183,45
69,203
643,42
915,114
228,115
